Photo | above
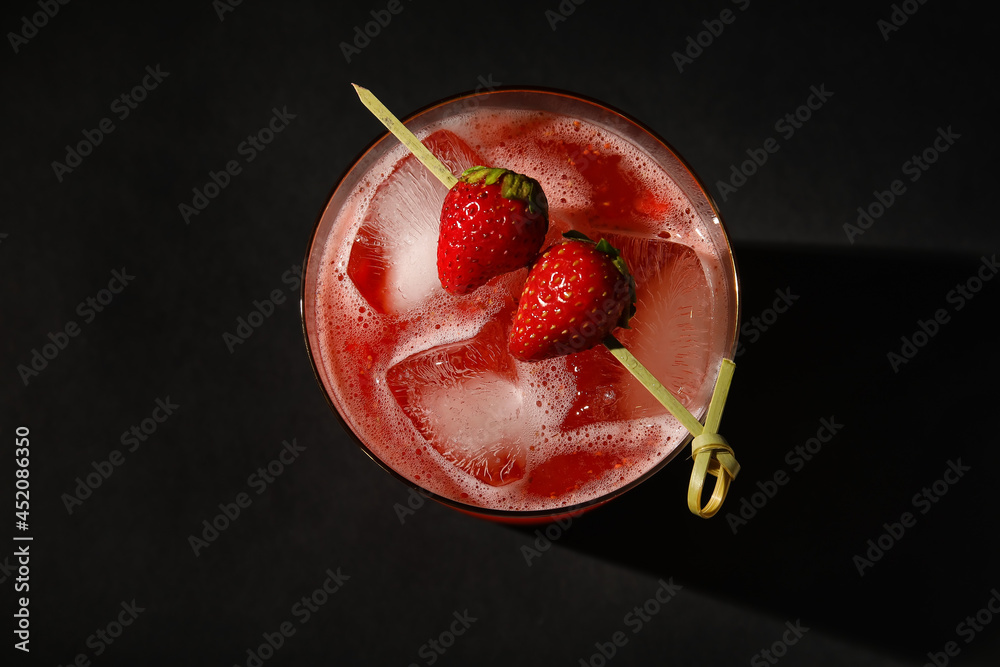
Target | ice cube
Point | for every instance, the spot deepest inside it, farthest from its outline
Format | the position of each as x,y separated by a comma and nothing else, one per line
393,261
671,332
465,400
670,336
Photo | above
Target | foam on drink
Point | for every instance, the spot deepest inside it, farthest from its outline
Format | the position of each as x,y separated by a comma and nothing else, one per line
423,377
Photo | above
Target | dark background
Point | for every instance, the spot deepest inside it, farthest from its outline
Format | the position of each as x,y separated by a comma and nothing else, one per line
162,338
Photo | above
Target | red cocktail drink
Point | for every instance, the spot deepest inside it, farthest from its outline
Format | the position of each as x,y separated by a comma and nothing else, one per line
423,379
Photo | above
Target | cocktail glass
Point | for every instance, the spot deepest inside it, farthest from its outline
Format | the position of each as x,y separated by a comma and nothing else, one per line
421,380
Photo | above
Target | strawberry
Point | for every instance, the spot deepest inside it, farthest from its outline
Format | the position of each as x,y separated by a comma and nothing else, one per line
576,294
493,221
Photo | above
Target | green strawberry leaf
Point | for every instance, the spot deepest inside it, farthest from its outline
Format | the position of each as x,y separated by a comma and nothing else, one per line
513,186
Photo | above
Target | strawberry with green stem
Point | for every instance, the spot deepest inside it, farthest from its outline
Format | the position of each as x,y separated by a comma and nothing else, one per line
576,294
493,221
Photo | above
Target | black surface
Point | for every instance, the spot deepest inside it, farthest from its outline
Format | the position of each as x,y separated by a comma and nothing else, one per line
162,338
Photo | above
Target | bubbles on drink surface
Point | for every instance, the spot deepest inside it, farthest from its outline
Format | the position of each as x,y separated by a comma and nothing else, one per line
437,395
589,176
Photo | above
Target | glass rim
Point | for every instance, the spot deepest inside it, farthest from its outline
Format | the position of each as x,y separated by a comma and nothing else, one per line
728,265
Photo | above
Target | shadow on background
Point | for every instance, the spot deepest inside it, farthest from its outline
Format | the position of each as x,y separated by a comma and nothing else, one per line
790,549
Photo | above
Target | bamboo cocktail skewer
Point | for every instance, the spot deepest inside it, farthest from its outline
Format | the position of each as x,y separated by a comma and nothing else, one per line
407,138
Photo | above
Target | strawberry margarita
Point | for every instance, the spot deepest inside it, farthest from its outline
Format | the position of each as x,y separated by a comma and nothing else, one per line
424,379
